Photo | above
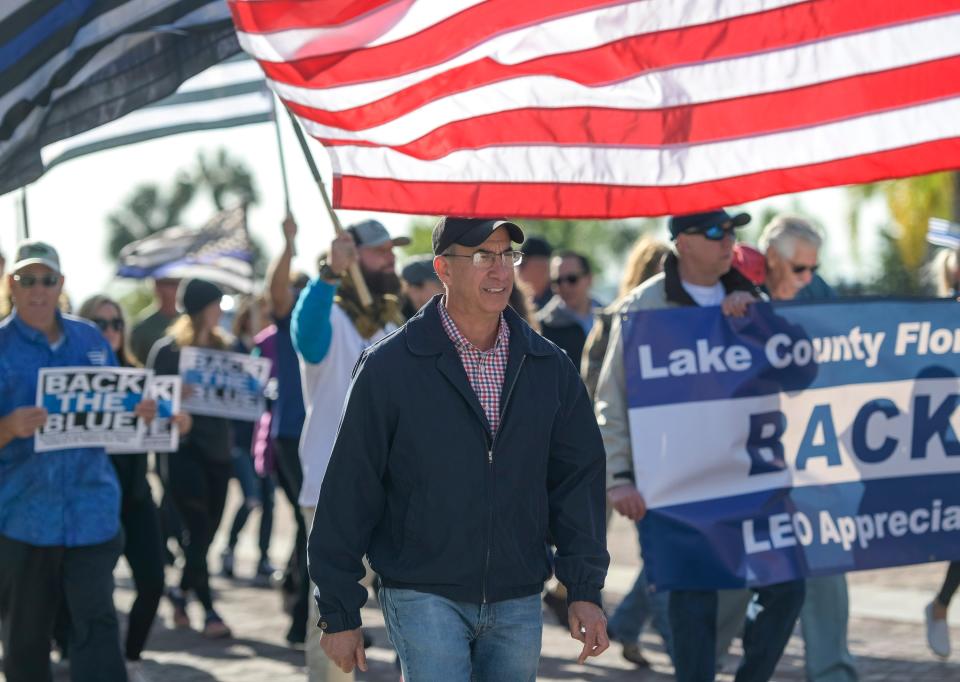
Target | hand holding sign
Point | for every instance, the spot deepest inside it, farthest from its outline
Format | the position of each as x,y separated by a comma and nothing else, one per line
183,421
146,409
735,304
23,421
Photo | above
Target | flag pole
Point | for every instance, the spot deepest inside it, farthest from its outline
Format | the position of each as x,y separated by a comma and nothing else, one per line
24,214
283,164
355,275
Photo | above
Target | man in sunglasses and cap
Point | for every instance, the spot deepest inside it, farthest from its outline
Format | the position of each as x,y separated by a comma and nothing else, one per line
697,273
59,511
466,444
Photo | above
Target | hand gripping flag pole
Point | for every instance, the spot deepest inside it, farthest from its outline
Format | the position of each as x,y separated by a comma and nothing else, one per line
355,275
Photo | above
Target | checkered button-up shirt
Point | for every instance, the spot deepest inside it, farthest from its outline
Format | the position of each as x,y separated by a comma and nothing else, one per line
485,369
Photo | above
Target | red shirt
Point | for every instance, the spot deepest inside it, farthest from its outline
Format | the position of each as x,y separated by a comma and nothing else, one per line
485,369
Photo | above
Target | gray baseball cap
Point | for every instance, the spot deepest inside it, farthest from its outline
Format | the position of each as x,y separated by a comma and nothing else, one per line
373,233
32,251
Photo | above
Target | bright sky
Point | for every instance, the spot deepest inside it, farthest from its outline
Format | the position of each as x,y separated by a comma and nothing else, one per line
68,206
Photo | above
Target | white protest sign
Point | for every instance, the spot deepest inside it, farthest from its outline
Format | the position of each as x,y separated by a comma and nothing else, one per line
161,435
90,407
223,384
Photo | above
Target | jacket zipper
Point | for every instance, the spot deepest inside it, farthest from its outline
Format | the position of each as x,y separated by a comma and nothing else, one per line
490,445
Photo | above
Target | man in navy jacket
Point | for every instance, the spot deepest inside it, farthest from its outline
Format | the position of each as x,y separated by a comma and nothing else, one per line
467,444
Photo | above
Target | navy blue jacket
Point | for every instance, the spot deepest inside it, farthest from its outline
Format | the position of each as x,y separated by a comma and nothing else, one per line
417,483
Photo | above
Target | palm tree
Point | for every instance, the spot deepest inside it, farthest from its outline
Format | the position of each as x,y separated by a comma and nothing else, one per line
911,202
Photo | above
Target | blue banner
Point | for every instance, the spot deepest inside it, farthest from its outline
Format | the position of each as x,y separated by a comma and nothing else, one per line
800,440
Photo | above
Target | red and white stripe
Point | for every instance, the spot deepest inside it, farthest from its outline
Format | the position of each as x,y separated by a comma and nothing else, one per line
606,108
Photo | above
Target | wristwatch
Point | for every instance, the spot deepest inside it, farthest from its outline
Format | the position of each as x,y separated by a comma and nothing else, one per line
328,275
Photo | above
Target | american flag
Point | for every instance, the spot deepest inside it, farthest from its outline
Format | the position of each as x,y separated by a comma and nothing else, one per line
220,252
602,108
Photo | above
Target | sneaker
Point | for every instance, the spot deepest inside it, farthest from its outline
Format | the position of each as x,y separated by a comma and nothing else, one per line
938,634
226,563
214,627
264,576
181,620
634,654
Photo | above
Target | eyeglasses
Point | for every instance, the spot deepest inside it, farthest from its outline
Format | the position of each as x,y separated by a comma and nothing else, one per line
485,260
116,323
715,233
27,281
800,269
568,279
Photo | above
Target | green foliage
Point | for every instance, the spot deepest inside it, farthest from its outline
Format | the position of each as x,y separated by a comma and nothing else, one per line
895,277
911,202
421,237
136,301
228,180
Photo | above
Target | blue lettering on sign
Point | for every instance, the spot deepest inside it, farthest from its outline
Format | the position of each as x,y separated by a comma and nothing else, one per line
766,430
766,450
860,447
925,425
821,417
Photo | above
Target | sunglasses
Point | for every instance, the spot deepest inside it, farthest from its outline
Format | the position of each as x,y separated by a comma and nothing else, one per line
800,269
116,324
567,279
27,281
714,233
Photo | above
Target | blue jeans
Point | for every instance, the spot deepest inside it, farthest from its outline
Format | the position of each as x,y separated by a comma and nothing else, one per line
639,606
693,620
254,487
439,640
823,621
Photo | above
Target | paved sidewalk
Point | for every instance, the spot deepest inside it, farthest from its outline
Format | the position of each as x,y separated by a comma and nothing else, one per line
886,632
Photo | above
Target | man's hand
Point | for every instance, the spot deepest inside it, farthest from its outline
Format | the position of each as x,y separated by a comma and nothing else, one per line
627,500
289,230
146,409
183,421
343,253
735,304
345,649
23,421
588,624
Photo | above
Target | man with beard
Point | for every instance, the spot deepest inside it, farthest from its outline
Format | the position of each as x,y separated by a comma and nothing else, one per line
331,328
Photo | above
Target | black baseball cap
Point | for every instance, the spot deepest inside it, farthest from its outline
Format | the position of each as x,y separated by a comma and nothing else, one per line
536,246
469,232
418,270
694,222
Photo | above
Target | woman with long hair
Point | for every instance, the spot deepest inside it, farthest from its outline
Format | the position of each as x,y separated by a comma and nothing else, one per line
143,545
198,473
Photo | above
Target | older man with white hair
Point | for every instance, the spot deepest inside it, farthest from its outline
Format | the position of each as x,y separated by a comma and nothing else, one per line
791,246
